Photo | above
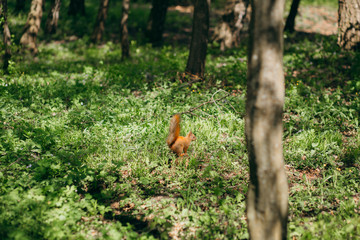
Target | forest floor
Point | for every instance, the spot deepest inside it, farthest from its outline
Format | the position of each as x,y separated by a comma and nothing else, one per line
82,136
317,19
310,19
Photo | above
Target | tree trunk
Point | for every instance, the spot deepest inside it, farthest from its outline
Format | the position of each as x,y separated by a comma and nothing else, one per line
32,26
349,24
290,21
53,17
20,5
156,21
228,31
199,39
124,30
76,7
267,201
99,27
6,34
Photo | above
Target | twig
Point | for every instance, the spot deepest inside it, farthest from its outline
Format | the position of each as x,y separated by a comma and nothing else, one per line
197,115
204,103
229,108
212,97
209,115
233,108
185,75
6,168
224,106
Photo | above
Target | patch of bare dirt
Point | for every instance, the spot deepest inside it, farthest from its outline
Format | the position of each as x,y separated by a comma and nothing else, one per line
182,9
309,174
313,19
295,175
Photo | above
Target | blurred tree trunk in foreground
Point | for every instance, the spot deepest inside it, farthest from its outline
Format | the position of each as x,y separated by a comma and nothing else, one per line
349,24
32,26
199,39
6,34
290,21
99,27
76,7
228,31
125,48
53,17
267,202
156,21
20,5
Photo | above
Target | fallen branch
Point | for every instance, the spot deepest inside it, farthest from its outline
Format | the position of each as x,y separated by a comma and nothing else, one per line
6,168
204,103
197,115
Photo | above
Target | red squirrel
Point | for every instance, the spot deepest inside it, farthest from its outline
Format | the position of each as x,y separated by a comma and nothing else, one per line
177,143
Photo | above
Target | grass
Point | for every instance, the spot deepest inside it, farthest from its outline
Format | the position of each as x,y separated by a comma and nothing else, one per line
83,153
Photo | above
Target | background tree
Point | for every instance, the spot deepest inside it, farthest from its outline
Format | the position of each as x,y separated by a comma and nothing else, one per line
53,17
199,39
99,27
290,21
6,34
125,47
227,32
76,7
32,26
156,21
267,203
349,24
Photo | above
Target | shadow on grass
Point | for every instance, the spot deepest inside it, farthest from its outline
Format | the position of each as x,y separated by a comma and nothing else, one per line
317,61
351,156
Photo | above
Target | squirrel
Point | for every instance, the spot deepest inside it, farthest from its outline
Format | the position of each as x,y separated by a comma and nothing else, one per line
177,143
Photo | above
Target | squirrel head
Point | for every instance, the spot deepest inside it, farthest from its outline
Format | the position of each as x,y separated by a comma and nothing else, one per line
191,136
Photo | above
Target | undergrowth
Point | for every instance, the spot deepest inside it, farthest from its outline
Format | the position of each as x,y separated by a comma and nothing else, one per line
83,152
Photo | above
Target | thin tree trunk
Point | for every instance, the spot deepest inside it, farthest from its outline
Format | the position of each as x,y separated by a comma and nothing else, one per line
100,21
228,31
6,34
290,21
199,39
53,17
349,24
267,201
32,26
124,30
20,5
76,7
156,21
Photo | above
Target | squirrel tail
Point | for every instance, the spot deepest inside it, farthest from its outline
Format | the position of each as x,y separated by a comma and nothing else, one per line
174,130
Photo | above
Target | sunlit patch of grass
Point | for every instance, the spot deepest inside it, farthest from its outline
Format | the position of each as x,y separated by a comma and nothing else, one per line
92,130
83,152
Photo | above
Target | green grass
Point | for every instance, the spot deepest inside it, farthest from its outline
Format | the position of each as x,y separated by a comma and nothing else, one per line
328,3
83,152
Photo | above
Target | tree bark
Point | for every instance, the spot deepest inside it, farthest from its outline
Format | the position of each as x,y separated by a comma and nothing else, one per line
267,201
156,21
125,47
290,21
6,34
228,31
99,27
199,39
20,5
32,26
76,7
349,24
53,17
